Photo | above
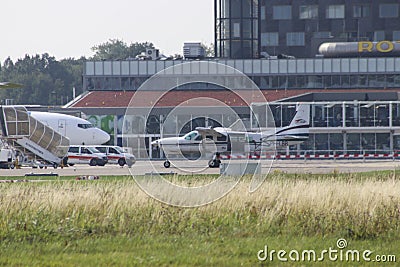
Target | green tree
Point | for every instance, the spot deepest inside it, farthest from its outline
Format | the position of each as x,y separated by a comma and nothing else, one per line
209,49
45,80
115,49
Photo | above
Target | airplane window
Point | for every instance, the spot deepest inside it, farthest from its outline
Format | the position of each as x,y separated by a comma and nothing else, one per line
198,138
85,125
190,136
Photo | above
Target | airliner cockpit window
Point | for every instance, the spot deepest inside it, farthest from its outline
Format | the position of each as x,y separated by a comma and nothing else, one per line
85,125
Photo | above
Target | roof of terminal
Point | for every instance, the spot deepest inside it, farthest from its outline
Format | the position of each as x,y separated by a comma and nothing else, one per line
118,99
122,99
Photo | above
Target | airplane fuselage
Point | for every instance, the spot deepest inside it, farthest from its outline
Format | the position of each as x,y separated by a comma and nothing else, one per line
77,130
227,142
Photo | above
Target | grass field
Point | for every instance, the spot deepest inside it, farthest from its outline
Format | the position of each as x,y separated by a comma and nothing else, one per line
111,222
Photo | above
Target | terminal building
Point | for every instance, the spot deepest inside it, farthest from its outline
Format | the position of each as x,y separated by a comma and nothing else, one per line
249,29
341,56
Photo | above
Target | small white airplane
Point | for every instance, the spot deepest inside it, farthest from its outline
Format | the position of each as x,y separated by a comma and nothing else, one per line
225,140
77,130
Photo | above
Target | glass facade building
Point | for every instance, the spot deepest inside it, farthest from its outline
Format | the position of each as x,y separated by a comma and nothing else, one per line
237,24
338,127
348,127
246,30
313,73
298,28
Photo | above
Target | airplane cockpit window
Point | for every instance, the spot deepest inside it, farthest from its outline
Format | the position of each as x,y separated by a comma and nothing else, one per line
191,136
85,125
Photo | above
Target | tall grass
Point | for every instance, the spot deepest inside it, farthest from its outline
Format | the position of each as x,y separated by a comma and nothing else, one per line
328,205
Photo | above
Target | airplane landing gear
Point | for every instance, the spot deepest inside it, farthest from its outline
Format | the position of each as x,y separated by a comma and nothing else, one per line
213,164
215,161
167,164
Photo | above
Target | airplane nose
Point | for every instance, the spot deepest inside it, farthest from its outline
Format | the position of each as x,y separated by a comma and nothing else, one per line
103,137
155,143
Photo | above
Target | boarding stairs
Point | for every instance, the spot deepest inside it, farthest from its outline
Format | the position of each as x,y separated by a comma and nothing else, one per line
31,137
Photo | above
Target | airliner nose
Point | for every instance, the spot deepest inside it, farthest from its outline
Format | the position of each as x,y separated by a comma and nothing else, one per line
103,137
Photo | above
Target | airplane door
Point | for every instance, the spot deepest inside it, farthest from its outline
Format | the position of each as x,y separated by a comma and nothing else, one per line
62,127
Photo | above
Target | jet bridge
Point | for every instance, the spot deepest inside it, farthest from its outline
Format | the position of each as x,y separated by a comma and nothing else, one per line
32,137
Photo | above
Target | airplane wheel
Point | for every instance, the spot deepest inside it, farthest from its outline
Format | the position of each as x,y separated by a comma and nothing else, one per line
167,164
213,164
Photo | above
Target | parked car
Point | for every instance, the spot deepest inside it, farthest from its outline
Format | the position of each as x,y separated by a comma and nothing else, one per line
117,155
86,155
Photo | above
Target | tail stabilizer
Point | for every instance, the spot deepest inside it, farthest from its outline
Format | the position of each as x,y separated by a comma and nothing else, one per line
302,116
298,130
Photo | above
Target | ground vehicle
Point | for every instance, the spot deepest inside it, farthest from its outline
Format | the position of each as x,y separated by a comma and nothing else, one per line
116,154
7,158
86,154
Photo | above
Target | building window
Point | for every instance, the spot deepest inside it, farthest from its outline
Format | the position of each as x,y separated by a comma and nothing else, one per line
262,13
295,39
269,39
236,30
396,35
388,10
379,36
282,12
360,11
308,12
335,12
322,35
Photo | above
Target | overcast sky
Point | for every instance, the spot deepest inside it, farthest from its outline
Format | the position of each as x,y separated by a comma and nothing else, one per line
70,28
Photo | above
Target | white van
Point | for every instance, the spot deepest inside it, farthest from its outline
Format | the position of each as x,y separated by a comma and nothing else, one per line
117,155
87,155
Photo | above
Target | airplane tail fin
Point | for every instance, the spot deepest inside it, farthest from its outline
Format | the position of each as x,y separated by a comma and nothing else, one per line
298,130
302,116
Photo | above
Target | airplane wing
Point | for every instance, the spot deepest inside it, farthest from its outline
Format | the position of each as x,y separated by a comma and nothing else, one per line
7,85
207,131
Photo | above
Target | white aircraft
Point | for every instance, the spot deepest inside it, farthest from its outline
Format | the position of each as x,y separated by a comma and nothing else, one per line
77,130
225,140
